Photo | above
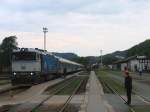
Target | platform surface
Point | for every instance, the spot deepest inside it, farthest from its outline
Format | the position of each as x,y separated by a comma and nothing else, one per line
95,101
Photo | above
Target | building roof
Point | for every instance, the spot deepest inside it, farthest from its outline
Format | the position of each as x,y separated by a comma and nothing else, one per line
130,58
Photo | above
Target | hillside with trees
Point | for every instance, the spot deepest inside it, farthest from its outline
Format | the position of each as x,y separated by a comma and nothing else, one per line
140,49
112,57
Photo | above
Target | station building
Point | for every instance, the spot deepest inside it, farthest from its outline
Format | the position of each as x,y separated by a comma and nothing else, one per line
133,63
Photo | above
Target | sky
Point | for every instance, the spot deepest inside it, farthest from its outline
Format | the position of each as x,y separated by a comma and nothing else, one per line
80,26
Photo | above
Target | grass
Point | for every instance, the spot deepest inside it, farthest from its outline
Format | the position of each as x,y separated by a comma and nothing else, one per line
71,87
53,88
66,90
36,110
116,72
117,85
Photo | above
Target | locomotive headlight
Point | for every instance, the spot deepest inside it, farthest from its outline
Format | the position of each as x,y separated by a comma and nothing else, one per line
31,73
14,73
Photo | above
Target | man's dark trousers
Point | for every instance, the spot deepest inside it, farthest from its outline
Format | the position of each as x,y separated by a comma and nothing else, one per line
128,86
129,96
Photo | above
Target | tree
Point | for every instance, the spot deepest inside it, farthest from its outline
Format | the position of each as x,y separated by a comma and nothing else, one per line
6,48
81,60
140,49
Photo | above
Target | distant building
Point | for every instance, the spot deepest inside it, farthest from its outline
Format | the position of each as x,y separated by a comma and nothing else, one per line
133,63
110,66
116,65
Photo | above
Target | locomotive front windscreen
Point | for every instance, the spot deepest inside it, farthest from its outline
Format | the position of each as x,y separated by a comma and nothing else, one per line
27,56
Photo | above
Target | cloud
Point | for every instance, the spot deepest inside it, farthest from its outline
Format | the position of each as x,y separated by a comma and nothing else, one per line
78,26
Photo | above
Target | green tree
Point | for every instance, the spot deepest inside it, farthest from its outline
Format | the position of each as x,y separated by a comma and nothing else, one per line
6,48
82,60
140,49
109,59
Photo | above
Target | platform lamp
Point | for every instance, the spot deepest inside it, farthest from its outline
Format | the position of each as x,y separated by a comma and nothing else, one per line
45,30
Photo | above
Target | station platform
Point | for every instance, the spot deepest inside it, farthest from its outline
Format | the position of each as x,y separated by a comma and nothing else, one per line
93,101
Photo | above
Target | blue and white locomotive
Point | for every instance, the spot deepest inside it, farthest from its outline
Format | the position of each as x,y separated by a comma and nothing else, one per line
32,66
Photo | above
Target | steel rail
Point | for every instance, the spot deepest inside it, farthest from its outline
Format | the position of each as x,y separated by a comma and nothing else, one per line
116,92
71,96
54,93
141,96
12,88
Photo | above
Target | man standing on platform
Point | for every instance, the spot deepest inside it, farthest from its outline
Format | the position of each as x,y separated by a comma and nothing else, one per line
128,86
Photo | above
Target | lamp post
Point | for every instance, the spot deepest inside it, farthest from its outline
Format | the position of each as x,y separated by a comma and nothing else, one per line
101,51
45,30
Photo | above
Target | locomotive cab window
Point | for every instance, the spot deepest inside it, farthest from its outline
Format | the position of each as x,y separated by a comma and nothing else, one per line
19,56
37,57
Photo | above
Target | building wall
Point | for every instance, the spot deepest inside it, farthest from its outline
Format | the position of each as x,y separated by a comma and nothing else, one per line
123,65
115,66
110,66
149,65
145,65
134,65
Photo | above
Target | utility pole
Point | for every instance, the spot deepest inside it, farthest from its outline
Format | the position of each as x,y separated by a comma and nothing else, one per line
101,51
45,30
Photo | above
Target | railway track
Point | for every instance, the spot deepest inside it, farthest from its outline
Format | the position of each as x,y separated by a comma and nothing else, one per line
13,88
147,100
62,108
142,97
16,108
136,93
66,104
10,92
113,90
55,90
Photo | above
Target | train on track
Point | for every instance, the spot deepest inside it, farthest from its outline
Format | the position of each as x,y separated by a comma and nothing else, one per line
33,66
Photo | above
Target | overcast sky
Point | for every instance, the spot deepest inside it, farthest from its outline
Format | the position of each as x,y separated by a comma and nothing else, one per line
80,26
